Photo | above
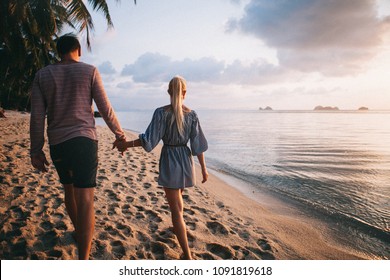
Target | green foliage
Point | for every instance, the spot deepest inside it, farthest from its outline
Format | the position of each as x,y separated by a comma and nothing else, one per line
29,29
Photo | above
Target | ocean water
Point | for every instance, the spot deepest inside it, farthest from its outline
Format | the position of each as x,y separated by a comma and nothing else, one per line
335,165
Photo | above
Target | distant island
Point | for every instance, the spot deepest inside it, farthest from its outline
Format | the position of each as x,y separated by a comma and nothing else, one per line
266,108
329,108
320,108
326,108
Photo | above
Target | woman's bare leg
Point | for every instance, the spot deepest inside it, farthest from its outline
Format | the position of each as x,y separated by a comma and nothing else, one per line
175,201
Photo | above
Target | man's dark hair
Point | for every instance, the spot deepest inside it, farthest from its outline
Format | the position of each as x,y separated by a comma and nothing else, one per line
67,43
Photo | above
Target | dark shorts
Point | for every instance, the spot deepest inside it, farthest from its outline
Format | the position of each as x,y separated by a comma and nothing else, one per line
76,161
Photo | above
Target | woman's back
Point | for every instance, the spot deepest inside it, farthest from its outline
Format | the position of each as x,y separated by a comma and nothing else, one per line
172,135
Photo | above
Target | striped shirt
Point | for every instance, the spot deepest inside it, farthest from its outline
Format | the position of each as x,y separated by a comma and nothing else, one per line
65,93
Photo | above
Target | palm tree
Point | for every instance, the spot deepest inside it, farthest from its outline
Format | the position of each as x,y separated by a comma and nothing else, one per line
28,32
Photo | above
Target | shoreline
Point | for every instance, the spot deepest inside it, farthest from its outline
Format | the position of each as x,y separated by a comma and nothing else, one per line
328,227
133,219
335,227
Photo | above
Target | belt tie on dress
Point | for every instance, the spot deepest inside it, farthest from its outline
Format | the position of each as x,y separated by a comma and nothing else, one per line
179,145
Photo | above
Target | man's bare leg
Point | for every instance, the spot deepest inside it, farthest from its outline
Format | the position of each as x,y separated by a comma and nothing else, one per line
70,204
85,220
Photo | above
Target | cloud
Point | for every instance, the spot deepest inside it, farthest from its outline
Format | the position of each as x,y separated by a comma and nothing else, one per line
236,2
125,85
332,37
106,68
258,72
158,68
154,67
149,67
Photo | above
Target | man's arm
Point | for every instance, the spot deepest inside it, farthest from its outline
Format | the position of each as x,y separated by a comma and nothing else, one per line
104,106
37,127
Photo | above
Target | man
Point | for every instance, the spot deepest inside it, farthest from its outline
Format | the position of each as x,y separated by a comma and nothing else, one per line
65,91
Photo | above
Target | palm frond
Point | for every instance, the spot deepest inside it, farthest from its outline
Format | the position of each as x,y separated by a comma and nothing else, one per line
101,5
82,19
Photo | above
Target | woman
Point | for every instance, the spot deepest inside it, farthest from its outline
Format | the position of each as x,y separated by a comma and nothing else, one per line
176,125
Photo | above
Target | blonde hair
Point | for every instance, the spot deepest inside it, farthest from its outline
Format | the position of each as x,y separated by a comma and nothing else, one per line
177,88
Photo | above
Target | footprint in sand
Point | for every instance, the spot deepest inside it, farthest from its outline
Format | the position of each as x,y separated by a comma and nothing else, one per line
217,228
220,204
49,239
220,251
191,225
141,177
61,226
161,251
54,254
44,189
127,211
243,253
189,211
129,179
202,210
112,195
19,213
263,255
114,209
153,216
17,191
57,202
139,216
153,197
125,230
167,237
263,243
103,236
142,237
243,234
12,228
46,225
118,249
18,249
129,199
111,230
116,185
205,256
102,178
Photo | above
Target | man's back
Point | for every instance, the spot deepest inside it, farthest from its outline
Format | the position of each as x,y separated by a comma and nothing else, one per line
67,91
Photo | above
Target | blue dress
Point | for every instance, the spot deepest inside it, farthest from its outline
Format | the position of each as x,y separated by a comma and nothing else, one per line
177,168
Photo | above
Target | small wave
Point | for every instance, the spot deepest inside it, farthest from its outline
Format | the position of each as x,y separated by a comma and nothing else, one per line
276,185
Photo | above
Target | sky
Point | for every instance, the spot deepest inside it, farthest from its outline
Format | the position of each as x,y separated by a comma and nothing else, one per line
246,54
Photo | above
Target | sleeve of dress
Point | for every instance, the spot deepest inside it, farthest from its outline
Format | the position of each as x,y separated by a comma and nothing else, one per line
37,119
154,132
197,139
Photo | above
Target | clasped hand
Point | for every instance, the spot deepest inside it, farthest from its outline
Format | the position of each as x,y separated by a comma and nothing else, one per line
120,144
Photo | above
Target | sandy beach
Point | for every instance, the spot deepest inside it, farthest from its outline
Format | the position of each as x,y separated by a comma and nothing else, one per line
132,216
